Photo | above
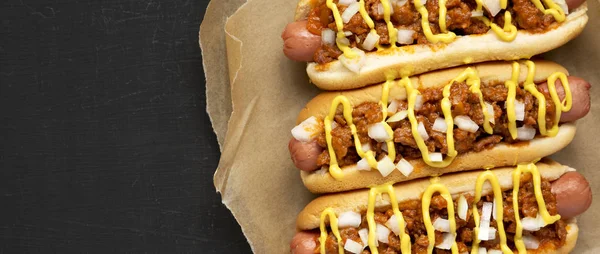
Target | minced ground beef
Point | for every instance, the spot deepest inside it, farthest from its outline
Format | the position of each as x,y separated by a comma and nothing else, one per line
458,20
463,103
551,235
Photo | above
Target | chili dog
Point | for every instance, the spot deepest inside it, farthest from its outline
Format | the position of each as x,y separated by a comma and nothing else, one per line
351,44
397,139
488,213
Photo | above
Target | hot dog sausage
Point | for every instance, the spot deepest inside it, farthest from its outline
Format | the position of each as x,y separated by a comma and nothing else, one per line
300,45
580,90
304,242
573,194
304,154
573,4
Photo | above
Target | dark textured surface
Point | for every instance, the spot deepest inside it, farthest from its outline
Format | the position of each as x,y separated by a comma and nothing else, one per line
106,145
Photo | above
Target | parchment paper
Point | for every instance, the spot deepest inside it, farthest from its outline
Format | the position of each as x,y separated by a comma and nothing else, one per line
256,177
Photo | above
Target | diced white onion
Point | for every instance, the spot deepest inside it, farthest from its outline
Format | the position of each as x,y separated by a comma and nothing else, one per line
399,116
563,5
462,208
353,246
384,147
476,14
364,236
350,11
492,233
466,124
493,6
441,225
347,33
382,233
328,36
370,41
334,125
404,167
363,164
519,110
486,211
378,132
385,166
357,39
418,102
380,9
490,110
448,240
356,63
494,212
440,125
531,243
342,40
423,2
307,129
393,107
349,219
493,251
422,131
484,230
392,224
366,147
436,157
482,250
525,133
399,2
405,36
533,224
346,2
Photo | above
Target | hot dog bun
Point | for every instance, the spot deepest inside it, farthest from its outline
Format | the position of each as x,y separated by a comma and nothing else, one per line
421,58
500,155
457,184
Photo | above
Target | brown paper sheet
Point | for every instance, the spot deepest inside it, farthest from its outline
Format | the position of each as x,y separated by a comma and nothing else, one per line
256,178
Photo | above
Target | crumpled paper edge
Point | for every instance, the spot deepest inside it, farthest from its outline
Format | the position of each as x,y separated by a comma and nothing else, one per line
219,108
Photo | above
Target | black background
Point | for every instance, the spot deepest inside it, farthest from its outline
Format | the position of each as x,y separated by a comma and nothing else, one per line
106,144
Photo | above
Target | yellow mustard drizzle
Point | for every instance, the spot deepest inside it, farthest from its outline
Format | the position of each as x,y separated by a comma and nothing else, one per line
434,38
510,100
554,10
333,224
561,106
437,187
339,24
549,219
506,33
384,99
493,180
530,87
433,188
471,77
387,13
405,243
